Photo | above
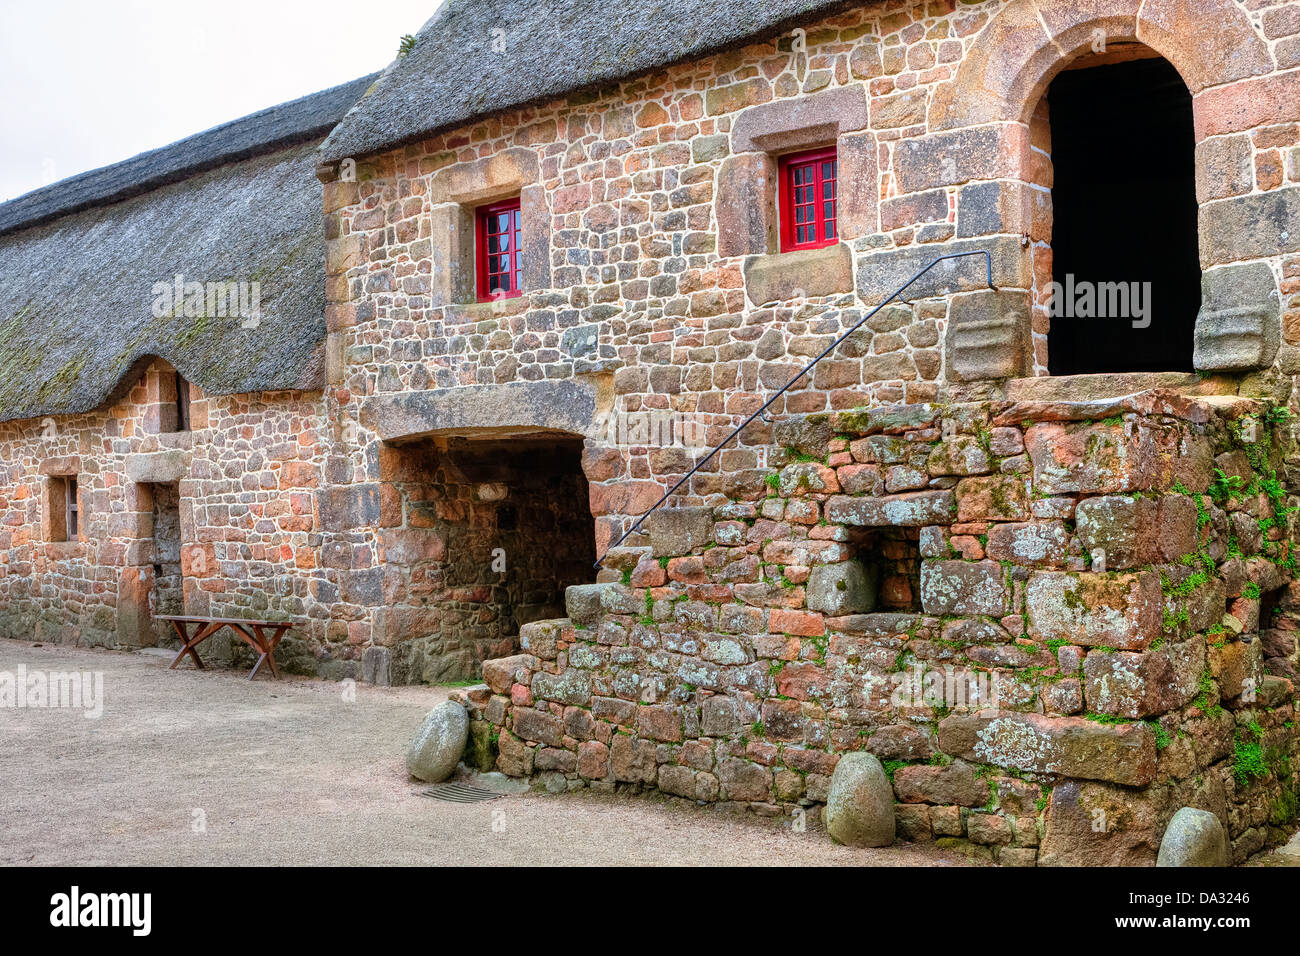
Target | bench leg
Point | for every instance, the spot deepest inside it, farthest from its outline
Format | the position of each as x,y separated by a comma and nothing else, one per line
268,650
188,644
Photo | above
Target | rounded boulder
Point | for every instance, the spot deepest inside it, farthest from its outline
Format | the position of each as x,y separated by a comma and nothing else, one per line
438,744
1193,838
860,804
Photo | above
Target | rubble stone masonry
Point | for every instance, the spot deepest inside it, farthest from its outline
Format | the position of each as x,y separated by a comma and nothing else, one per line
1050,605
1055,624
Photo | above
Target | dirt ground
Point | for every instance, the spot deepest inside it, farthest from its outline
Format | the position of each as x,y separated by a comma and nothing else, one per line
204,767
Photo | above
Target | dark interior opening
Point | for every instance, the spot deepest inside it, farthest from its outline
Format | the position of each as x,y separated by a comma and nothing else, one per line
892,558
541,527
182,403
1124,215
489,535
168,594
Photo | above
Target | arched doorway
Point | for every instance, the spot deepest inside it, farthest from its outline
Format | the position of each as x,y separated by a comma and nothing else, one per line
1125,260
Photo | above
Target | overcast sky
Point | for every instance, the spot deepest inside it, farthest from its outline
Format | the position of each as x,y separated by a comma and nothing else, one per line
90,83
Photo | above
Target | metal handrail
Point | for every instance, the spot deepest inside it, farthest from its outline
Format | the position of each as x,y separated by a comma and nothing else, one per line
988,265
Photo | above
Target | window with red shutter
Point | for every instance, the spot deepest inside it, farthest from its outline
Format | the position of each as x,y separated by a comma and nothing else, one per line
498,251
808,186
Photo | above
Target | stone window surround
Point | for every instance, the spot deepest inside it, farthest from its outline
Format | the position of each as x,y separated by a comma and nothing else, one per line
748,198
456,192
54,516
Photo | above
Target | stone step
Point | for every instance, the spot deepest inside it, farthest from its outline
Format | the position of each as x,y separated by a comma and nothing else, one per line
542,638
583,603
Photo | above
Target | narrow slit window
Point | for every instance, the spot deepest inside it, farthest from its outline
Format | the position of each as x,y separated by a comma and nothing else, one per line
182,403
499,249
61,507
70,504
808,200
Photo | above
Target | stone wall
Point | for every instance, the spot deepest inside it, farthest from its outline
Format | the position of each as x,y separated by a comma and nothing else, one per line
655,293
248,540
652,280
233,519
1105,631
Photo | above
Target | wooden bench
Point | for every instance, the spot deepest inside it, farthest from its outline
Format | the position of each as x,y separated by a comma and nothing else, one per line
261,636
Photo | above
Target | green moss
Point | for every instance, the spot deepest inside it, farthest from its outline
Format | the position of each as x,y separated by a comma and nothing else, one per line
1163,739
1282,809
796,455
1201,702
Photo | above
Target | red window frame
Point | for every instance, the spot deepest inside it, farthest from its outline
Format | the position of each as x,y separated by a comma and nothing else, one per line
495,264
809,187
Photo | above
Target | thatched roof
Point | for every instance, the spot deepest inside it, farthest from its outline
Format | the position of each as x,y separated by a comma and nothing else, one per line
477,57
239,203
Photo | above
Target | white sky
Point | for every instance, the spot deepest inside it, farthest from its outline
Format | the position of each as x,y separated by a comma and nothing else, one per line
90,83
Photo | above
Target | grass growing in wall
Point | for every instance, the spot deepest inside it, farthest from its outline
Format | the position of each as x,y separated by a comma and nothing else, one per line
1248,756
891,767
1205,685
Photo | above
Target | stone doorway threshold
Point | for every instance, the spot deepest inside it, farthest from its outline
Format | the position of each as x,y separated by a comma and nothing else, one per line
1089,388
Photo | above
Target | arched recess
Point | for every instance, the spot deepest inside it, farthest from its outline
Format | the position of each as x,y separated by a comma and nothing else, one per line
1124,265
481,520
1020,50
1002,79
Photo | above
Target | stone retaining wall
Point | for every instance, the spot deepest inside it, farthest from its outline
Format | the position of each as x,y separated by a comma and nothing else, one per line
1055,624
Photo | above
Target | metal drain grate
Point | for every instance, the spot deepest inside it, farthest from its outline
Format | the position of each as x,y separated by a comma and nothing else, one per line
460,793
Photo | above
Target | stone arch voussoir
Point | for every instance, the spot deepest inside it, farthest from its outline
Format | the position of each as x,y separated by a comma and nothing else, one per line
1019,51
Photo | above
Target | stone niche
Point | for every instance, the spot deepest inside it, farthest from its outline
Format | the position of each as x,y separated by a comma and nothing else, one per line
882,576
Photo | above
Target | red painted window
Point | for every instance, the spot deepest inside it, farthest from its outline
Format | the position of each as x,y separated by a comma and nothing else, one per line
498,249
808,183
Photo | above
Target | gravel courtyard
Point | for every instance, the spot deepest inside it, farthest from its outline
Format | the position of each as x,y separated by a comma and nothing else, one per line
204,767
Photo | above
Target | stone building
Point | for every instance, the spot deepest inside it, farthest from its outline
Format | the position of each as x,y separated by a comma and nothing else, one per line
1025,533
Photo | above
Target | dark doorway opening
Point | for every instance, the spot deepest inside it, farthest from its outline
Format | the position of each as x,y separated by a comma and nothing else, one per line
1124,220
529,532
489,534
168,595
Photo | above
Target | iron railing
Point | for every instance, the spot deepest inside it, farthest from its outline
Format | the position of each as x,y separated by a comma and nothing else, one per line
988,266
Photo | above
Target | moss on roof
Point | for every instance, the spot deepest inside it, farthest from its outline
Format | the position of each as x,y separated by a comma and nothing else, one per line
77,303
239,203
